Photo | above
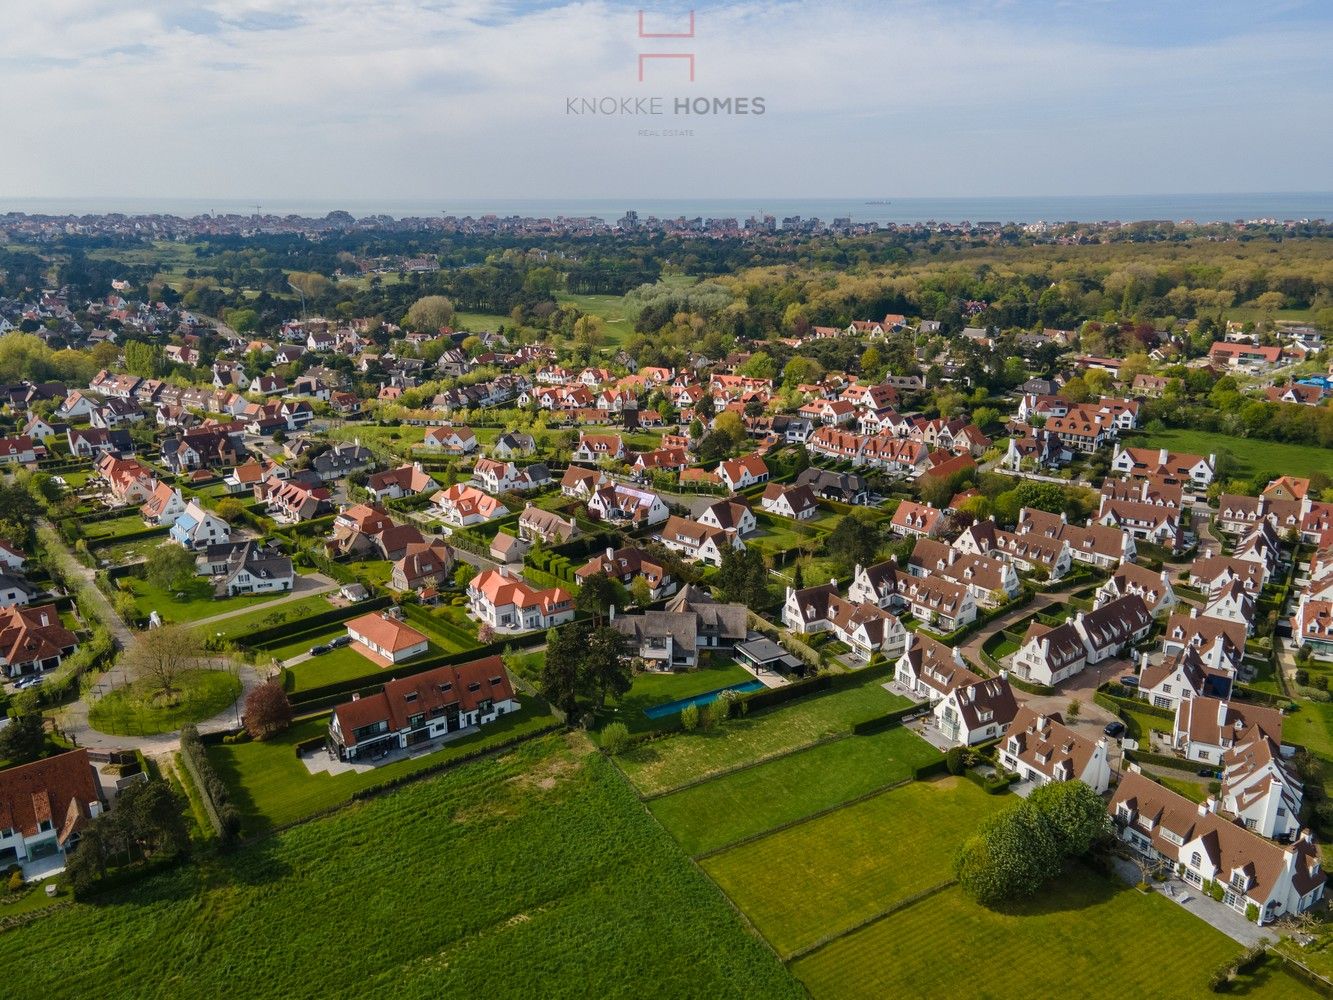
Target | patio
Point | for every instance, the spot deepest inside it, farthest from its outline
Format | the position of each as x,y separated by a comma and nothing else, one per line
1218,915
322,761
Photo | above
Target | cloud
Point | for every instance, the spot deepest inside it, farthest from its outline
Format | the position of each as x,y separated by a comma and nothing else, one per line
375,98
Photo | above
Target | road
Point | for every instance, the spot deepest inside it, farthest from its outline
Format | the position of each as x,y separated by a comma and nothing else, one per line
73,569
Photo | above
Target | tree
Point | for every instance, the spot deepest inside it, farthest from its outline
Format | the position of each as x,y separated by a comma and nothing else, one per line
598,594
854,542
268,711
160,654
742,577
730,428
1074,813
87,864
759,365
1010,857
872,363
149,819
463,574
641,591
24,739
562,677
606,665
801,370
614,737
144,360
1073,709
169,566
430,313
230,510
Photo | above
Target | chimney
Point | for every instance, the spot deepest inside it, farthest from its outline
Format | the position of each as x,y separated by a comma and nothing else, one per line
1204,810
1162,454
611,614
1221,714
1041,723
610,554
1194,612
1143,661
1211,804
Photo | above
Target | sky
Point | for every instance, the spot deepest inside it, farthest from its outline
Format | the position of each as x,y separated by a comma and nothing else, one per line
365,99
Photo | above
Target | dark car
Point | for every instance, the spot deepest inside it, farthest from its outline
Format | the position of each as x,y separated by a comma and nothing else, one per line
339,642
1114,729
1130,682
1207,772
316,650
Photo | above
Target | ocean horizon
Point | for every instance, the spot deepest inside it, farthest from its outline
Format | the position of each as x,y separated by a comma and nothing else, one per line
1280,206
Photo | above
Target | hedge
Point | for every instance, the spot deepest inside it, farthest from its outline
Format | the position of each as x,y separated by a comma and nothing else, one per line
883,722
930,770
222,814
1162,760
1106,699
997,784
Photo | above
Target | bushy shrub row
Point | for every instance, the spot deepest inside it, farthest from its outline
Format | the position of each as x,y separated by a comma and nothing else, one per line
224,816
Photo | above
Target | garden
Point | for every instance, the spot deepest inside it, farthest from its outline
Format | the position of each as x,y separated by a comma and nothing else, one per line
143,708
191,601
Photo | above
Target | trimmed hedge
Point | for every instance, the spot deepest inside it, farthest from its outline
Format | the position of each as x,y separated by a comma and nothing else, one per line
1162,760
222,814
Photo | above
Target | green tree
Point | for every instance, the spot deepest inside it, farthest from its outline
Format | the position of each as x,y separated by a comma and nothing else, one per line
759,365
854,542
429,313
169,566
598,594
23,740
562,677
801,370
606,664
730,428
1013,854
1074,813
144,360
872,363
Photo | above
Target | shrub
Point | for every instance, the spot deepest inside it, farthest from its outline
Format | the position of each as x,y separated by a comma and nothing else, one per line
1302,675
15,881
1252,913
689,718
955,760
614,737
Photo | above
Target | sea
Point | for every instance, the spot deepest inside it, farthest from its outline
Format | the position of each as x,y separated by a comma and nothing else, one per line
1279,206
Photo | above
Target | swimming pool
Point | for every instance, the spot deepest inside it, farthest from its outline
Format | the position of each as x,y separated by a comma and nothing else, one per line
672,707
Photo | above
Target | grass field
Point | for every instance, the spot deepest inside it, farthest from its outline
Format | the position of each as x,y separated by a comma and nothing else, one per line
238,627
831,873
1311,726
611,308
1085,936
196,600
272,787
114,528
342,664
535,873
651,689
136,710
668,763
722,811
1253,456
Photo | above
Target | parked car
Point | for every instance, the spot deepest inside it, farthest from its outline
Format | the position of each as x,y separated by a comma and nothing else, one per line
339,642
316,650
1208,772
1129,682
1116,728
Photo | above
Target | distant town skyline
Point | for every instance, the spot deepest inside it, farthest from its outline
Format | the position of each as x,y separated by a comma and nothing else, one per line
367,100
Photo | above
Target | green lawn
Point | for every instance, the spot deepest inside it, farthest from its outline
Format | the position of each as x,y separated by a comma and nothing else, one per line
342,664
1311,726
668,763
139,710
481,322
372,571
718,812
534,873
1192,790
1083,936
113,528
238,627
619,323
1137,725
831,873
1253,455
272,787
196,600
651,689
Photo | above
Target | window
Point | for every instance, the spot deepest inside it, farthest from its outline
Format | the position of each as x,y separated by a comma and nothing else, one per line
1195,859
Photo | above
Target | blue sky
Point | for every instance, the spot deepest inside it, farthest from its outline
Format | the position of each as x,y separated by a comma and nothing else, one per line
365,99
